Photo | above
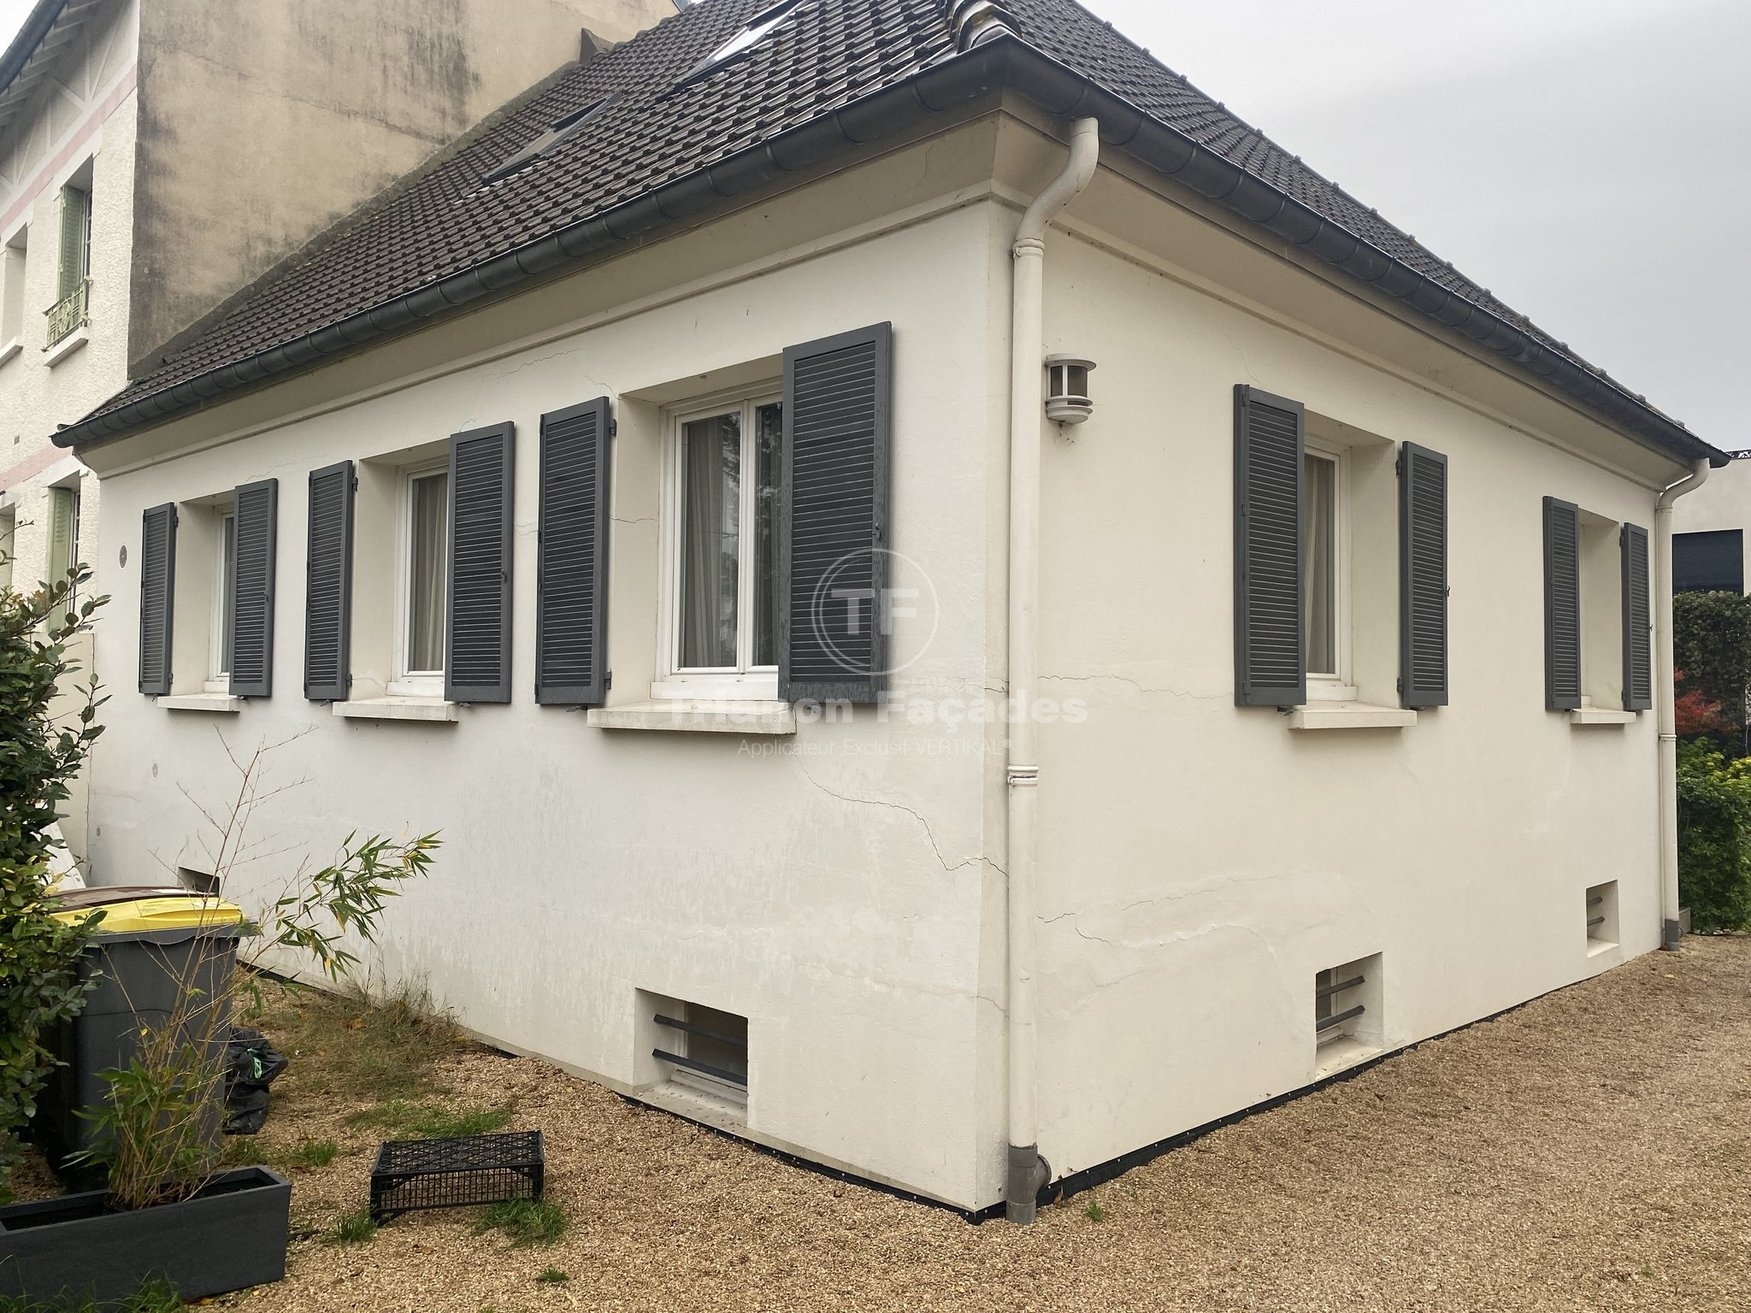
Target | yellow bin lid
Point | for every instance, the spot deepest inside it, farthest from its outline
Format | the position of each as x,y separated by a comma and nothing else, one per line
132,913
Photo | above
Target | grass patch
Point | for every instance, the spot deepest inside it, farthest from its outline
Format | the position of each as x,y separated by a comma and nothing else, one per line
156,1296
1094,1212
552,1276
312,1153
526,1221
356,1048
354,1228
428,1121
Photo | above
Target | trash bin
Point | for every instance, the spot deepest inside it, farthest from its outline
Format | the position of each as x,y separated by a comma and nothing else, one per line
151,947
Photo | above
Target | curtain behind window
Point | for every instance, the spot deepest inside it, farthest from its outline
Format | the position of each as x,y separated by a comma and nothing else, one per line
711,459
429,546
1319,564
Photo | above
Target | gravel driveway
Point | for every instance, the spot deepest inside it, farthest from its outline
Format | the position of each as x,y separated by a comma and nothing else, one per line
1589,1151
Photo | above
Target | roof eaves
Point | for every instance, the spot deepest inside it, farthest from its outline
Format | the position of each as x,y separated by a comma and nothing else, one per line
36,26
1003,60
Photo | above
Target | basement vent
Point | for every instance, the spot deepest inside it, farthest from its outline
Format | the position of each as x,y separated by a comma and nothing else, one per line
1346,1013
703,1050
1602,917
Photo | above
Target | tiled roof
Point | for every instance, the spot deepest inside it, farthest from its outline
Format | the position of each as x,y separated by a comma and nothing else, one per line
826,55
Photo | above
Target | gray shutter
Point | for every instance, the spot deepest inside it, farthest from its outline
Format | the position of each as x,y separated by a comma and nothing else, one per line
1422,576
477,663
1562,605
328,585
1638,660
571,557
1269,658
252,590
833,521
157,596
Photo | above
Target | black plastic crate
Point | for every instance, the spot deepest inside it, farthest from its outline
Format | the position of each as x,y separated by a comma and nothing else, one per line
477,1169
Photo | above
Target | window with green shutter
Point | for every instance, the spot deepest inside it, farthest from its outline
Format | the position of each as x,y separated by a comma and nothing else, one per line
73,277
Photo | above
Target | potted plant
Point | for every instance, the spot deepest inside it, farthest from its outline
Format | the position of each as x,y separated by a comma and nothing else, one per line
169,1209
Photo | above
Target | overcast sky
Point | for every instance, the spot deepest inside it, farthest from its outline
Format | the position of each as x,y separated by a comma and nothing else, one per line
1586,160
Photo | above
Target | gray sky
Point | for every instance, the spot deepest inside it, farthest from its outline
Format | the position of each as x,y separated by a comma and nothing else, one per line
1583,159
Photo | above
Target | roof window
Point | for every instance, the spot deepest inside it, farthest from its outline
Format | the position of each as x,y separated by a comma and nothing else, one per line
564,130
758,29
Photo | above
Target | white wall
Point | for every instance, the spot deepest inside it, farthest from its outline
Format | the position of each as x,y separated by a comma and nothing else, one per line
830,892
1200,862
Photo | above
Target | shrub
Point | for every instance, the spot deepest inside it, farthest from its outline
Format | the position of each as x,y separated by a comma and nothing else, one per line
39,758
1711,647
1714,837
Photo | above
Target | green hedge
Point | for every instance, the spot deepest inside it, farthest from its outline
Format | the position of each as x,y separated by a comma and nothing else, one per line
1714,837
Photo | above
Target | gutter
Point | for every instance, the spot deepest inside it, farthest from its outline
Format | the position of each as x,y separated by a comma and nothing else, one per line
1000,61
1665,713
1028,1171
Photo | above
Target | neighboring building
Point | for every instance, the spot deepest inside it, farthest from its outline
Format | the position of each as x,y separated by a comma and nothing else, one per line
1708,551
562,482
156,155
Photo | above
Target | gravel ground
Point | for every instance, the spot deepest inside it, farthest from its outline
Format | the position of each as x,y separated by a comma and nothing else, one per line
1589,1151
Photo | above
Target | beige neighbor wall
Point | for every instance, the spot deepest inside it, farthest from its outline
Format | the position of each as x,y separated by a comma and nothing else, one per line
82,125
1201,862
829,886
324,104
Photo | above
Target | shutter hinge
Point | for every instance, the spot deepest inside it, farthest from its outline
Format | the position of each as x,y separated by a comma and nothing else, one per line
1401,685
1398,465
613,428
355,482
608,681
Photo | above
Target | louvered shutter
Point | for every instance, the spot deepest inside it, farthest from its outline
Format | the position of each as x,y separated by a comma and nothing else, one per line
328,585
1422,576
75,238
252,590
1638,660
1269,442
571,569
1562,605
477,664
833,548
157,596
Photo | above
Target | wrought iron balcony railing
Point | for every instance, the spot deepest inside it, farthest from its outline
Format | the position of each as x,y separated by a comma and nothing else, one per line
69,312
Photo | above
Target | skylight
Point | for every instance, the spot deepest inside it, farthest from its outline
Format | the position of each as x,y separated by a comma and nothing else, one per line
565,129
758,29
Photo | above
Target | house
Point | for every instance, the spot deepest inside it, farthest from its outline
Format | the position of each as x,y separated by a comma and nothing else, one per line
960,613
157,155
1708,542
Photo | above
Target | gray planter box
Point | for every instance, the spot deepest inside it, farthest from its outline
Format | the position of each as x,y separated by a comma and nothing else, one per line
229,1236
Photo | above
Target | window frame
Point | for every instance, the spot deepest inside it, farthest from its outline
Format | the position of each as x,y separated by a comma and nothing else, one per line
218,654
746,681
1336,685
405,682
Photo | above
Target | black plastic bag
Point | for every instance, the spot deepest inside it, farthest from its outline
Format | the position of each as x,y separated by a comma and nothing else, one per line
251,1064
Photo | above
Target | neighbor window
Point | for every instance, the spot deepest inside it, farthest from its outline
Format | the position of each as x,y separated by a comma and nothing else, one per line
1322,574
425,540
722,521
12,286
74,276
224,591
64,539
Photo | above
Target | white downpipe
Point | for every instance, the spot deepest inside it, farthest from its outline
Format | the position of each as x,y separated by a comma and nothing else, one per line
1665,711
1027,1172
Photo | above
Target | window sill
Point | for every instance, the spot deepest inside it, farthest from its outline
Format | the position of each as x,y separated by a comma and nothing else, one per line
399,708
10,349
66,347
220,702
1340,1054
1601,716
698,716
1350,715
1600,947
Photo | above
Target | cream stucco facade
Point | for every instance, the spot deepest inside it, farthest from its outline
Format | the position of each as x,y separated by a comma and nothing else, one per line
843,886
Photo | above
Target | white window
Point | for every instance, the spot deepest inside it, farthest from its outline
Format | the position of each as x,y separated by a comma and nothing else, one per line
1324,571
224,587
720,572
423,578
